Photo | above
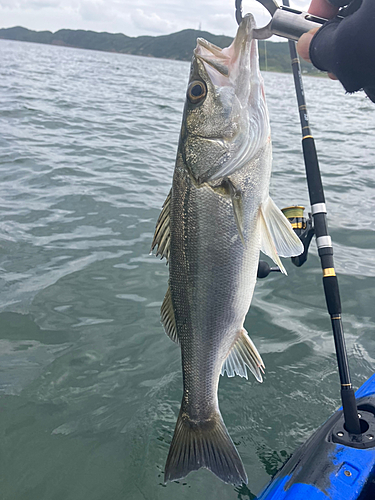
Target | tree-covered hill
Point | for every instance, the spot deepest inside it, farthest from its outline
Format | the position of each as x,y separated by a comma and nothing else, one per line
273,56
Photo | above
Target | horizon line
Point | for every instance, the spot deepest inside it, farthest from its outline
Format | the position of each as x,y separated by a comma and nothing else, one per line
128,36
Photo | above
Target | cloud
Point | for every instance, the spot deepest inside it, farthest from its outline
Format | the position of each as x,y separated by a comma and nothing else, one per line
94,10
33,5
219,23
151,22
132,17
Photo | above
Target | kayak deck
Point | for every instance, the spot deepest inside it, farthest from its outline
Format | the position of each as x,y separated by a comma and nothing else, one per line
325,468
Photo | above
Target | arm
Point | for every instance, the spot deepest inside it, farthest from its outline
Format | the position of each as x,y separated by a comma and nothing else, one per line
345,49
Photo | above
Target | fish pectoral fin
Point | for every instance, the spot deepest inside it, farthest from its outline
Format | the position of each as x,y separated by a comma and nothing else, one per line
162,236
203,443
236,197
243,354
227,188
277,236
167,317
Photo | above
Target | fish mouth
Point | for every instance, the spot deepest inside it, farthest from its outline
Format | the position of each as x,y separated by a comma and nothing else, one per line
226,66
237,67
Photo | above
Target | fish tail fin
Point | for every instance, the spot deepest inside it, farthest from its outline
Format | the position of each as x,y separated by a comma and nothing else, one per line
197,444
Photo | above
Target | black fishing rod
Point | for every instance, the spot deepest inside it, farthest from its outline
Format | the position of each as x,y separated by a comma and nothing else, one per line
325,249
319,226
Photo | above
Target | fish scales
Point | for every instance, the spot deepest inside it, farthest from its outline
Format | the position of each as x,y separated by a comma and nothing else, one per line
214,222
210,282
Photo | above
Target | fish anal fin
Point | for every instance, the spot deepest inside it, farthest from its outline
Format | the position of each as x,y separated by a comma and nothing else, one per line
243,355
204,443
277,236
162,236
167,317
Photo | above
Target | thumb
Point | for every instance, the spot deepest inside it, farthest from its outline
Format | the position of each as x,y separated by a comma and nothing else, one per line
303,47
303,44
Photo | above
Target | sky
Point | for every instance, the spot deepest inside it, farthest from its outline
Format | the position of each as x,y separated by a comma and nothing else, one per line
131,17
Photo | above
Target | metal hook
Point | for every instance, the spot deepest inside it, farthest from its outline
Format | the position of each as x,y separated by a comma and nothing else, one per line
270,5
286,22
239,16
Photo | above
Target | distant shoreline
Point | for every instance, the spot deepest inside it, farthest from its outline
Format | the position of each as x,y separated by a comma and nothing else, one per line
273,56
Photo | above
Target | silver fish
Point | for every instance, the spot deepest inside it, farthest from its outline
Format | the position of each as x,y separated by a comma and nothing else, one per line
214,222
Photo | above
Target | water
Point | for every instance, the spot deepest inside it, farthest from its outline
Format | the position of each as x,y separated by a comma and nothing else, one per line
90,385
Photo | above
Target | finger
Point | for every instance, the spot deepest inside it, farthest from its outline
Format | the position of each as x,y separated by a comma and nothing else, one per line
303,44
322,8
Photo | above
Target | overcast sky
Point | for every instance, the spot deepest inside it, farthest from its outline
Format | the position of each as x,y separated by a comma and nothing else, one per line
131,17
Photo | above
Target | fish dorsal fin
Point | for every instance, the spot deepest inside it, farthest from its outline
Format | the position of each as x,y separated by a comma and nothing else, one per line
277,236
167,317
243,355
162,236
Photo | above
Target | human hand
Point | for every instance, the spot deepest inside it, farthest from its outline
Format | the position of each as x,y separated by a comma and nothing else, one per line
321,8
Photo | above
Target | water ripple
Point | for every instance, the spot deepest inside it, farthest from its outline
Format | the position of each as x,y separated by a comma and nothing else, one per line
92,384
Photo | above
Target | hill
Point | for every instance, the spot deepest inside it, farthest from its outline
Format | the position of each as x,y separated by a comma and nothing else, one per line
273,56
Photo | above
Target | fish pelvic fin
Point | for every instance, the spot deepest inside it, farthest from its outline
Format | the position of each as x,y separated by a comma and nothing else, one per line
243,355
167,317
277,236
206,443
162,236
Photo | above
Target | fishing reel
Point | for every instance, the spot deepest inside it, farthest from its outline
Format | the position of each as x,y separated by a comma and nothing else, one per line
302,227
304,230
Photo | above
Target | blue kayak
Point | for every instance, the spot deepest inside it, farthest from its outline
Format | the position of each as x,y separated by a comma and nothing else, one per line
332,464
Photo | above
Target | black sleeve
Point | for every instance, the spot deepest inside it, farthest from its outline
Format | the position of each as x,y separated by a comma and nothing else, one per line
347,49
339,3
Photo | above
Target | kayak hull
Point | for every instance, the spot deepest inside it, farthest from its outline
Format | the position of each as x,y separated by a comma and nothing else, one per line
324,467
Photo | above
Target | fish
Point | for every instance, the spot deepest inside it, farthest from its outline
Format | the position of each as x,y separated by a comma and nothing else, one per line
217,217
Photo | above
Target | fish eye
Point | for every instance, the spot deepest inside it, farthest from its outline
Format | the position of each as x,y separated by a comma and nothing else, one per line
196,91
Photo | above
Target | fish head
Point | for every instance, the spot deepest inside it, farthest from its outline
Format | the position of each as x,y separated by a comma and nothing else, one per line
225,119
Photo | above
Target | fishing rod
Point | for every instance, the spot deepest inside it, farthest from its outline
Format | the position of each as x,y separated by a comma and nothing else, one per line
325,249
318,225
